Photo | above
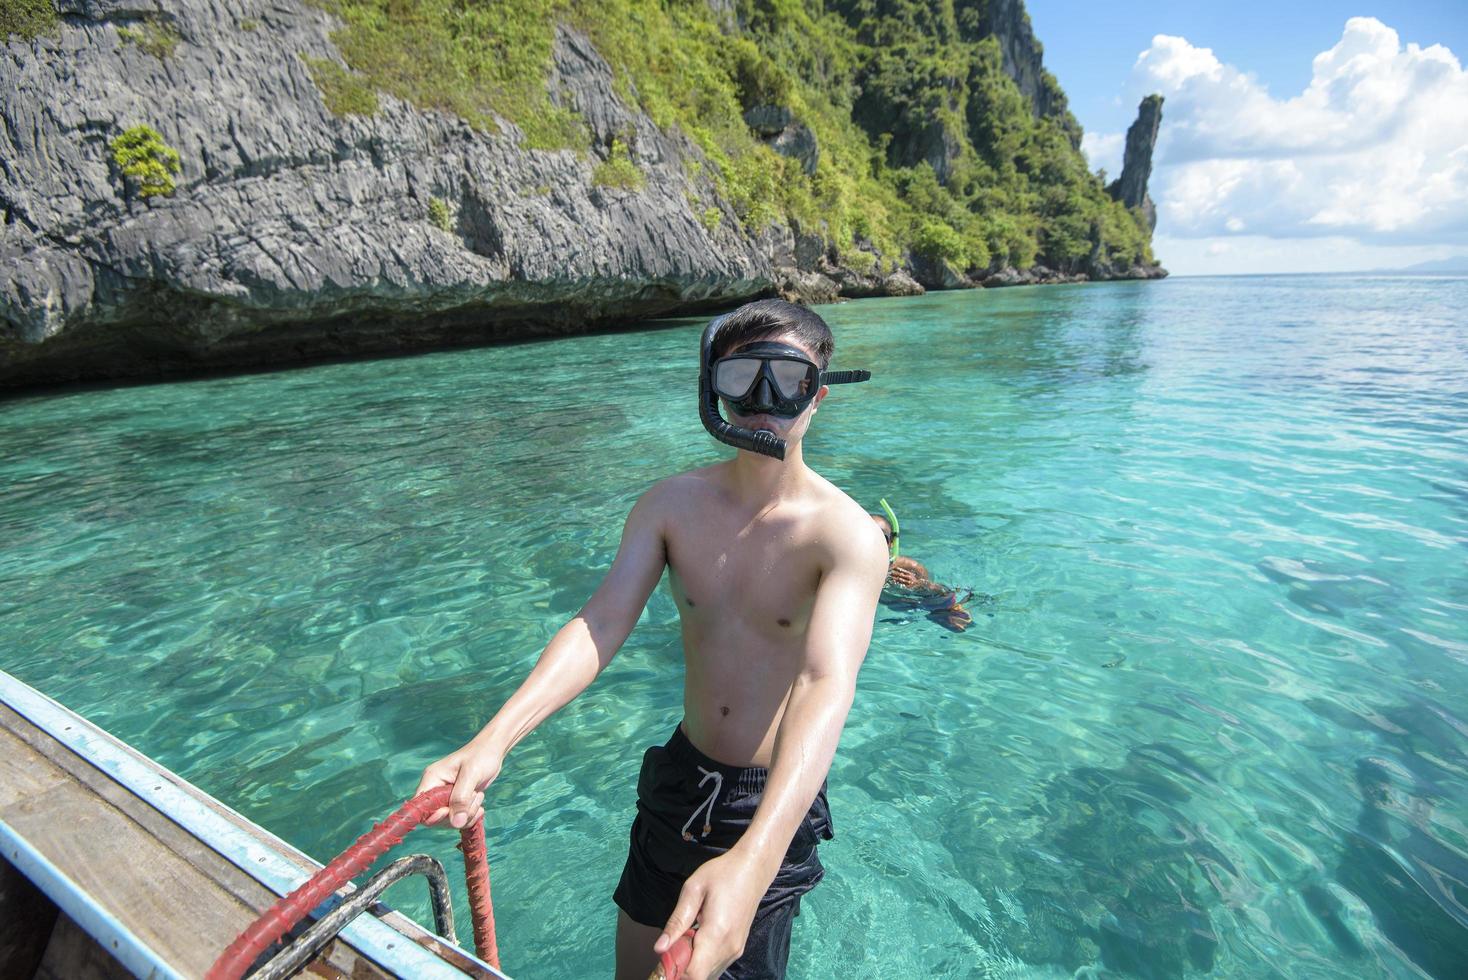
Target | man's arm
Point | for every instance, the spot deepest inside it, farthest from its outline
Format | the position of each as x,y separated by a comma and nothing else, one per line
724,893
578,652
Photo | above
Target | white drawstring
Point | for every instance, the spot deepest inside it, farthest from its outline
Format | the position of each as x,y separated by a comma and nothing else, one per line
718,779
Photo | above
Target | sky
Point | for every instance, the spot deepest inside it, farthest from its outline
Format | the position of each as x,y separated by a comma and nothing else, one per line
1296,136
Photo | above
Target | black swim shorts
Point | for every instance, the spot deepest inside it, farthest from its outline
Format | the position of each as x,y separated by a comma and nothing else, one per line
691,808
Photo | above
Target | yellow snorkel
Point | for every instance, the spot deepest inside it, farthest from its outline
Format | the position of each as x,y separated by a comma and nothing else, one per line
891,519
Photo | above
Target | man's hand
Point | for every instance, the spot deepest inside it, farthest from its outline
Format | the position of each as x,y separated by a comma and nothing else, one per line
469,771
903,577
908,573
721,897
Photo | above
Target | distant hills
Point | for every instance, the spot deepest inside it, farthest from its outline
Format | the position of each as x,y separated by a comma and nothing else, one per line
1452,264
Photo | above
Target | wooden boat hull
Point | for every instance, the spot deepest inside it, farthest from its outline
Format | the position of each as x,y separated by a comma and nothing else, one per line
115,866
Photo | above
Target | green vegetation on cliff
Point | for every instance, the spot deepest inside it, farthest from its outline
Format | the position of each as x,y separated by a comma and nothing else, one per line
618,170
146,160
440,215
153,34
345,93
926,145
28,18
476,60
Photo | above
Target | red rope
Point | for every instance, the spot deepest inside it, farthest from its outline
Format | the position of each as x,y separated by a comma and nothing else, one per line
674,960
476,876
284,914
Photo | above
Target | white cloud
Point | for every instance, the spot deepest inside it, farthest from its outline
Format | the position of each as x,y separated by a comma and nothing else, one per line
1375,148
1103,151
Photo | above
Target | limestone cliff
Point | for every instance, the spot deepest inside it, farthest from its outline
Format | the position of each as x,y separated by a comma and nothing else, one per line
294,232
1136,168
294,228
1009,23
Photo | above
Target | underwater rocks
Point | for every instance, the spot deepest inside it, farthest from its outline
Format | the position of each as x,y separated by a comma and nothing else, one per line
1114,871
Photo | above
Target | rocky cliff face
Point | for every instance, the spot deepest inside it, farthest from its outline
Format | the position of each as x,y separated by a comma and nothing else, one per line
1009,23
1136,167
294,232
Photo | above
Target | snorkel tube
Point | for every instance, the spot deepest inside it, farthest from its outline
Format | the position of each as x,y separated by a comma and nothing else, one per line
755,440
896,529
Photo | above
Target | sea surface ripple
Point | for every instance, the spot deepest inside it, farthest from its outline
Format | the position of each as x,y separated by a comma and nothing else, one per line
1210,720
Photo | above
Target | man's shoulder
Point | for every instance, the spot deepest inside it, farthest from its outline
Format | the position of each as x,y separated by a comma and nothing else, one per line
682,488
846,525
835,504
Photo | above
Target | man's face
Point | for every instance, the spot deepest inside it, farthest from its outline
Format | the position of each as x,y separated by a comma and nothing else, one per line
789,429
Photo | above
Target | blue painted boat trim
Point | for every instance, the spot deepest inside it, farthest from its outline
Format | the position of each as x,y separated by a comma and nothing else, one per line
71,898
163,790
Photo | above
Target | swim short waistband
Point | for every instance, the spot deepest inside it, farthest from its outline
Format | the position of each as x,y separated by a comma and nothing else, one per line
750,780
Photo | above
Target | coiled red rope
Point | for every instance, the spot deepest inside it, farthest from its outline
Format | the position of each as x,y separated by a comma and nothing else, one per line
284,914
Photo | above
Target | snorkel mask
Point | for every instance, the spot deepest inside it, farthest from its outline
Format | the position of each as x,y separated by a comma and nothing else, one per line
764,378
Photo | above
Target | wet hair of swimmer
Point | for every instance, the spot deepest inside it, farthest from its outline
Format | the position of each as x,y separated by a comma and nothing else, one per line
775,317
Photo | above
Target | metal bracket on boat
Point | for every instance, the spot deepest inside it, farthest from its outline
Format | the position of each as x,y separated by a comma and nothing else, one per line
300,952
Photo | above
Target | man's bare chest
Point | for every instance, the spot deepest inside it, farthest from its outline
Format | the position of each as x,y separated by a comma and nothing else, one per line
761,578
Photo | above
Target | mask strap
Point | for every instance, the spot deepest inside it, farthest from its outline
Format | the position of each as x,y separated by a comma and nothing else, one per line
844,377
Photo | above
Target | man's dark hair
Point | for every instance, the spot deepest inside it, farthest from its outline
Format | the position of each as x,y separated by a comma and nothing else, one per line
775,317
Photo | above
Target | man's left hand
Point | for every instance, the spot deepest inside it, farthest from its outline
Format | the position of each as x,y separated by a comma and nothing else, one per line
721,898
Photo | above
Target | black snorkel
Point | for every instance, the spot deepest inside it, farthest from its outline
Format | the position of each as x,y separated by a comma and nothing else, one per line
754,440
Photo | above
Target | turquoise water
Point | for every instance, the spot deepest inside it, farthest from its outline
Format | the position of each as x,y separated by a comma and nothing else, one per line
1211,718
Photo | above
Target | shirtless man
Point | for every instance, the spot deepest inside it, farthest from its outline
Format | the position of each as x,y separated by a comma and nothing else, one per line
776,575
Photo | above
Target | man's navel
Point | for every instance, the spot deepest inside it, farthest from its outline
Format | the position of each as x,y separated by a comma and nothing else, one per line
783,622
724,710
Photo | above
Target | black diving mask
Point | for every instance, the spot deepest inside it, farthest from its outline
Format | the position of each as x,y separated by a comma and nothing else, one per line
763,378
767,379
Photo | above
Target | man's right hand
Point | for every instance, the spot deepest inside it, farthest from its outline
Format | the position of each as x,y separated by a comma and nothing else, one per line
469,771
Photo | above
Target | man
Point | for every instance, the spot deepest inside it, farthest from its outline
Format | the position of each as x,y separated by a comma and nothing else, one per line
909,584
903,571
776,575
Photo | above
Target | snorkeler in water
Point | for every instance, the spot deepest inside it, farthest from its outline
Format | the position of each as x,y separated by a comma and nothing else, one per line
909,585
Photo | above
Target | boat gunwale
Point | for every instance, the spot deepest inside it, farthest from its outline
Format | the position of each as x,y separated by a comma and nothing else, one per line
273,863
